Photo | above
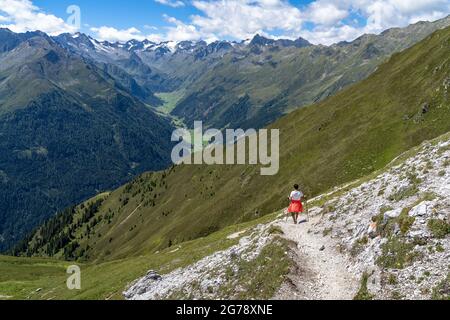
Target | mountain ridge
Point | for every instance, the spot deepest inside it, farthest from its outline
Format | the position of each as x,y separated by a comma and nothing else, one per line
134,44
246,84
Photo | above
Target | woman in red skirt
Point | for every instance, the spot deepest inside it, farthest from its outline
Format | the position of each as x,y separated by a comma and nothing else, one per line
296,206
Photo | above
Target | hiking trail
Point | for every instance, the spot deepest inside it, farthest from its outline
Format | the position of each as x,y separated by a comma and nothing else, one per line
320,271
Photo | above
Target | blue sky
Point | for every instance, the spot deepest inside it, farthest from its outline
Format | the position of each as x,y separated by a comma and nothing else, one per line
319,21
135,13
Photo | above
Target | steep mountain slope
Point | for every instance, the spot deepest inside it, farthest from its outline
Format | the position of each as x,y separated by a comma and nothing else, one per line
406,252
121,63
404,256
67,131
338,140
332,256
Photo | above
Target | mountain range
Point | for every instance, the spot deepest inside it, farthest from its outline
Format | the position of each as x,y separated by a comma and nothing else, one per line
254,82
79,116
345,137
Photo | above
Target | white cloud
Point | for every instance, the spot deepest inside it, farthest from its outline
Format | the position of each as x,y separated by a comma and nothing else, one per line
181,31
325,13
418,6
171,3
22,16
178,32
330,35
384,14
112,34
242,19
157,38
327,17
332,20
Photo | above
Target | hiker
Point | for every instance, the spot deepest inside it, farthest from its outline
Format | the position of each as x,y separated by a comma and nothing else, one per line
296,206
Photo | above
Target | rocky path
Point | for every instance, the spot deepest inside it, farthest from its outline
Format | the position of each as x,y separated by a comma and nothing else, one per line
321,271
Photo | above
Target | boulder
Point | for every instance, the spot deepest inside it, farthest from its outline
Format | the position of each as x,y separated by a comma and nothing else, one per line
419,211
420,234
392,214
153,275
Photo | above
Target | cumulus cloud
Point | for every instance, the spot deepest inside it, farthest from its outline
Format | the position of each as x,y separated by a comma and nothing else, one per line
181,31
329,26
171,3
112,34
241,19
177,31
22,16
330,35
325,13
382,14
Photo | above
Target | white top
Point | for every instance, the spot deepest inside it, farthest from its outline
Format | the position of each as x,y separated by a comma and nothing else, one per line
296,195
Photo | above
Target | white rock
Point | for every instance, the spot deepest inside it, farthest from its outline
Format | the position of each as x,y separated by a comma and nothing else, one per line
392,214
420,210
418,233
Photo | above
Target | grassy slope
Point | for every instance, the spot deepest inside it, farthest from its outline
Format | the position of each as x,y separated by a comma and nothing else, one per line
170,100
341,139
20,278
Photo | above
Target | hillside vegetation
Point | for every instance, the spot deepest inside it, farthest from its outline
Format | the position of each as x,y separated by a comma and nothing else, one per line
43,279
338,140
68,130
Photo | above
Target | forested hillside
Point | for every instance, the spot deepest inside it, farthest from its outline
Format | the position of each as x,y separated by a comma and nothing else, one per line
68,130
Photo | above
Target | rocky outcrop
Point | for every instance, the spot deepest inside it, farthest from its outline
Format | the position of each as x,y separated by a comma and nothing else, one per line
395,228
203,279
392,230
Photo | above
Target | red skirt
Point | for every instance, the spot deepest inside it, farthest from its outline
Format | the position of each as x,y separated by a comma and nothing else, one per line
296,206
